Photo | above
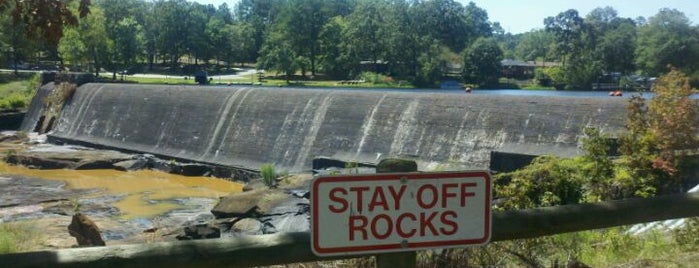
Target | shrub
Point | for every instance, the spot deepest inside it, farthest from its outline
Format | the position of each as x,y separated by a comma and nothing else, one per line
269,174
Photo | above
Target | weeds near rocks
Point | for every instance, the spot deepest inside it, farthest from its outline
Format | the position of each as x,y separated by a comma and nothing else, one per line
16,237
352,165
269,174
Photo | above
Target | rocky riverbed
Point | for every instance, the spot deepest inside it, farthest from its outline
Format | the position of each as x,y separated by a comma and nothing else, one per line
47,184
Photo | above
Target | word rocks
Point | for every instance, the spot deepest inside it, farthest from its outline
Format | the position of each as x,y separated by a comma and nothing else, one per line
399,212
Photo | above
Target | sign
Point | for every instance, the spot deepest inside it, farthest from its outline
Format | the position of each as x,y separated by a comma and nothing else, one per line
379,213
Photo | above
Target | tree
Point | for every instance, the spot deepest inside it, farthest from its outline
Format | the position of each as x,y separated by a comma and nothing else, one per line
278,54
574,46
88,42
535,45
72,49
614,40
44,18
446,21
667,39
365,34
128,43
260,14
654,150
16,38
333,59
482,62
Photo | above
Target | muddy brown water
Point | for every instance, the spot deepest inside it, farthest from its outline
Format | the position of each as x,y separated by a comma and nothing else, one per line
145,192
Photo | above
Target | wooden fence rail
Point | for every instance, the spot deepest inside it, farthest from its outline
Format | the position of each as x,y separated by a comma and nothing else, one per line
295,247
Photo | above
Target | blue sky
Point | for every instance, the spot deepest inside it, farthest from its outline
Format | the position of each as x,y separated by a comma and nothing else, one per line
518,16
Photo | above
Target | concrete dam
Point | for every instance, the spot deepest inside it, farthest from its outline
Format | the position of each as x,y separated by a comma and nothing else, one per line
249,126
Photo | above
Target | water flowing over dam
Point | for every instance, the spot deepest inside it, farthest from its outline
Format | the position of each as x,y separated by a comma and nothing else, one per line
248,126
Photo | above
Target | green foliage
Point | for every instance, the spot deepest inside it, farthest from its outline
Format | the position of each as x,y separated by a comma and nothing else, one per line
641,171
655,148
548,181
269,174
16,237
352,166
17,94
482,63
667,39
14,101
686,235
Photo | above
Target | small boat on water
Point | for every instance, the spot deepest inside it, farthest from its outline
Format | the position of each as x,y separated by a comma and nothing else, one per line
616,93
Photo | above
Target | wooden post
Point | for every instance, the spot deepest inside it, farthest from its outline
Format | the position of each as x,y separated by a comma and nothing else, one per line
406,259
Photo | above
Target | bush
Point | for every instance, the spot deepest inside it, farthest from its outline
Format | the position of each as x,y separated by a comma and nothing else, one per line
14,101
269,174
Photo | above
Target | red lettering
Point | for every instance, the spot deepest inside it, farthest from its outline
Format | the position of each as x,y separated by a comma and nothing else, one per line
399,225
465,194
449,222
421,196
361,227
446,194
378,199
427,223
335,198
397,196
375,223
359,191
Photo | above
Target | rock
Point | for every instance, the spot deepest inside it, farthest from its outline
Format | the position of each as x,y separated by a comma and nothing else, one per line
94,164
200,231
38,162
191,169
85,231
130,165
250,226
255,184
396,165
67,157
239,205
290,215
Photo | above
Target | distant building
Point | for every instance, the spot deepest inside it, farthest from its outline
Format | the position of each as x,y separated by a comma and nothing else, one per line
523,69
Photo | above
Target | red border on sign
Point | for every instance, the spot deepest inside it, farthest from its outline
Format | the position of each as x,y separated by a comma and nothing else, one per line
394,247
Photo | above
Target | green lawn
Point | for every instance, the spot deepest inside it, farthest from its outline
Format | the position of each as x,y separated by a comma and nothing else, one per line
16,93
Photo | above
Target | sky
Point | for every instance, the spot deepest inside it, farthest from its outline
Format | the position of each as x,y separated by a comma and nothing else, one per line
519,16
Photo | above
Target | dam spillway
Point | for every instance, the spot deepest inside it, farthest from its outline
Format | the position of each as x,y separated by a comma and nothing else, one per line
289,127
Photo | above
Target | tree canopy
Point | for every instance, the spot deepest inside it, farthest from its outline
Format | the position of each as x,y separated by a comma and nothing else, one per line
416,41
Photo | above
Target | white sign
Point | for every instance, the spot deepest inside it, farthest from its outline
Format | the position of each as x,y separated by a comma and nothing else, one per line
399,212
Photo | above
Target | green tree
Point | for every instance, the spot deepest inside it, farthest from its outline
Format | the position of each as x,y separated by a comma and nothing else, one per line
333,59
534,45
482,62
72,49
88,43
278,54
614,40
128,42
44,18
259,14
575,47
366,33
667,39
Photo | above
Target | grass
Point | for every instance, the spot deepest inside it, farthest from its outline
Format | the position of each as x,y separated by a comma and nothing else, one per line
16,92
269,174
17,237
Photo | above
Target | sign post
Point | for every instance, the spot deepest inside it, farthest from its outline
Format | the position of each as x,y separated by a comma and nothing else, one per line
399,212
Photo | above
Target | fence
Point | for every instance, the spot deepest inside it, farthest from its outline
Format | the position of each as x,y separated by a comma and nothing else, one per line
285,248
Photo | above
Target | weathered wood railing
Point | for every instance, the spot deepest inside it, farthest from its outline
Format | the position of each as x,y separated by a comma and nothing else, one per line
295,247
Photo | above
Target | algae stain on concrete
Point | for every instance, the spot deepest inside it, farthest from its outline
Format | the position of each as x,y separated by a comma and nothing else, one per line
145,193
